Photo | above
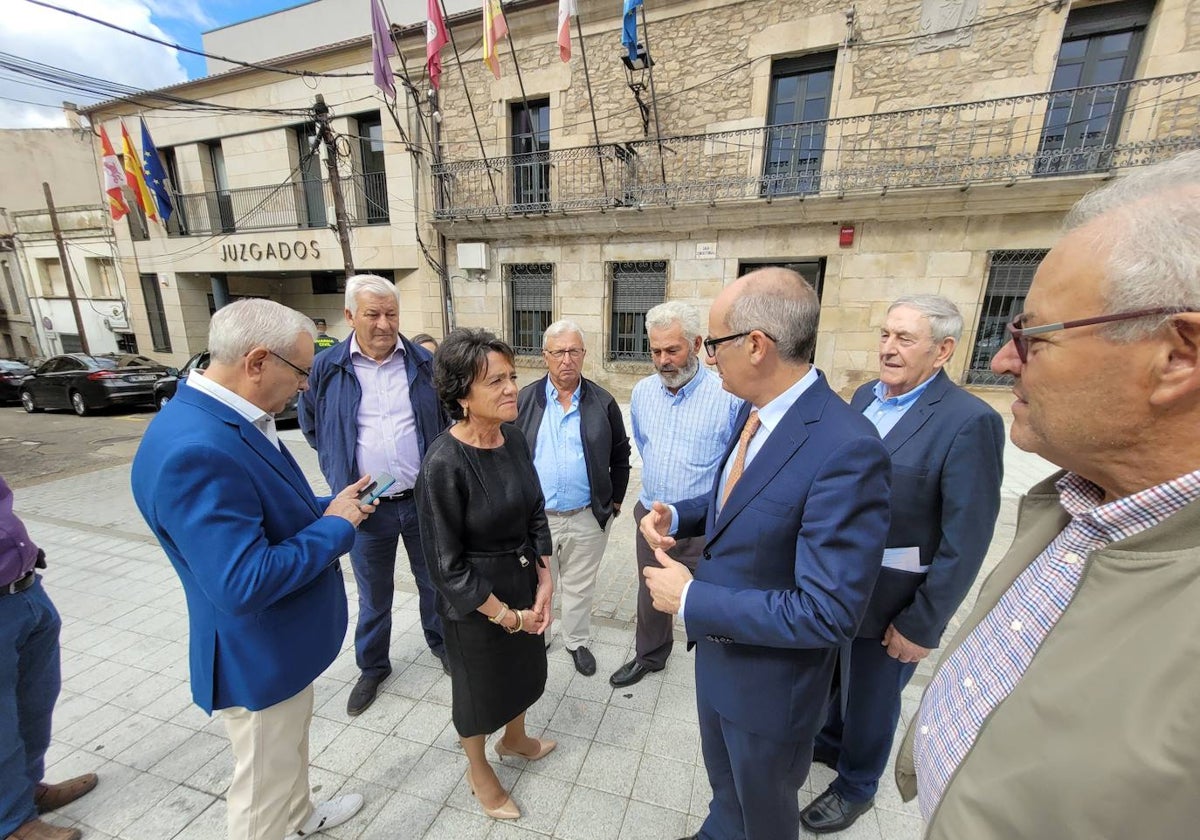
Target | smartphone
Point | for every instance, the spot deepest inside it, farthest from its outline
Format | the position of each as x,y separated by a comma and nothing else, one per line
376,488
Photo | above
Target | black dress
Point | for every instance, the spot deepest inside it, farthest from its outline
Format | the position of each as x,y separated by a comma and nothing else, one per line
483,529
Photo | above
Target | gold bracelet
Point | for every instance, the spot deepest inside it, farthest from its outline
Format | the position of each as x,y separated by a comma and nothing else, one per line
498,618
520,621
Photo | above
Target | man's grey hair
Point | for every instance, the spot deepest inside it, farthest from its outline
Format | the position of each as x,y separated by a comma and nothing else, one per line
1150,227
368,284
945,321
241,326
559,328
661,317
782,304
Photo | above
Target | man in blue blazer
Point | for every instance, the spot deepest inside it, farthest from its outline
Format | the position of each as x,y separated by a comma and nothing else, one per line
795,527
947,451
257,554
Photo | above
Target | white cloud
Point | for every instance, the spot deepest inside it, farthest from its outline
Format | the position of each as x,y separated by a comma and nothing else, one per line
80,46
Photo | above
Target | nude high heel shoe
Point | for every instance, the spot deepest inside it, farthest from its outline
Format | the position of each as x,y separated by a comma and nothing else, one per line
544,749
506,811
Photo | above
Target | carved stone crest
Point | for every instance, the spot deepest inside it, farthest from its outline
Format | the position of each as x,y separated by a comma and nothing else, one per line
946,24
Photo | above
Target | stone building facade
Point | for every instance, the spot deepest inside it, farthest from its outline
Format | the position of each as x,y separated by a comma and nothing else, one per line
879,148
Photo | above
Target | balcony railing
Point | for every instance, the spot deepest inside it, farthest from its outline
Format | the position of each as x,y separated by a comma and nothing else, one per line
301,203
1090,129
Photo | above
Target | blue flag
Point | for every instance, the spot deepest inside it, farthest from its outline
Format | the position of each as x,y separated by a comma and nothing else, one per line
629,28
156,178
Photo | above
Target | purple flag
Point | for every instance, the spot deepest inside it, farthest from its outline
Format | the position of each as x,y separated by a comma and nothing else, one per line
381,48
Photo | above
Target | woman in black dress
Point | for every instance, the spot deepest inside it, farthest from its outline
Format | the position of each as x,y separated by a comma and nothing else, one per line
484,531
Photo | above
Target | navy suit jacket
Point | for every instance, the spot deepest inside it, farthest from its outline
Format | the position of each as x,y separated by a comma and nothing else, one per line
258,561
947,456
787,567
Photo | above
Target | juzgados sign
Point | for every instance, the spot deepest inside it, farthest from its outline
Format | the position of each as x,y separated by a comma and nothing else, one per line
253,251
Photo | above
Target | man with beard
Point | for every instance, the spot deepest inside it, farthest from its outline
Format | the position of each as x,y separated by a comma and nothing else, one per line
683,421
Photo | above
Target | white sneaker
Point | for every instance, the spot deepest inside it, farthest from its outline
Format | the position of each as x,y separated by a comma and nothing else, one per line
329,814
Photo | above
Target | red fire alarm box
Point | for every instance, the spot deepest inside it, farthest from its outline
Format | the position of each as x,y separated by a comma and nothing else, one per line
846,236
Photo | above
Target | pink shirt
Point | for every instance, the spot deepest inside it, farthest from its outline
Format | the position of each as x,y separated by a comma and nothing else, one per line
387,427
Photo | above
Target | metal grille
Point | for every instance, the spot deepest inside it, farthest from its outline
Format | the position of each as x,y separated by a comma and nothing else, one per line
1010,274
636,287
531,292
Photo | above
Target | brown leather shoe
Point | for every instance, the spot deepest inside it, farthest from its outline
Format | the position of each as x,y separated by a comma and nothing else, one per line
38,830
52,797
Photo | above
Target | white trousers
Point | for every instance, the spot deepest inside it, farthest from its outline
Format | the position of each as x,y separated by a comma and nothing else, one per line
269,796
579,545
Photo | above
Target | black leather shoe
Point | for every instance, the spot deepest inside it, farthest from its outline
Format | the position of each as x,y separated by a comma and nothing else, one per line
363,693
585,663
630,673
829,812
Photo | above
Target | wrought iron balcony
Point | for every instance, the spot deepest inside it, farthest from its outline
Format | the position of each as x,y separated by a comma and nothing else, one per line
1090,129
301,203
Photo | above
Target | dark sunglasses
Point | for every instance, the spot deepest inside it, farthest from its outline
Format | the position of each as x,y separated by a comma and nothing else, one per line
1020,334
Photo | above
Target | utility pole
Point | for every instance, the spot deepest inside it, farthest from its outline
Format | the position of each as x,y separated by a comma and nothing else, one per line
66,267
321,115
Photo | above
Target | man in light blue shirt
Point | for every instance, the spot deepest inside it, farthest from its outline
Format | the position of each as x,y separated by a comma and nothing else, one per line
581,454
683,421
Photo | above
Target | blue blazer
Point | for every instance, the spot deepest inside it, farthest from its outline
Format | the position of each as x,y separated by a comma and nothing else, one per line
947,456
258,561
788,566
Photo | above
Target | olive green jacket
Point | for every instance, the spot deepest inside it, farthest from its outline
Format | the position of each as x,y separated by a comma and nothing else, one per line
1101,736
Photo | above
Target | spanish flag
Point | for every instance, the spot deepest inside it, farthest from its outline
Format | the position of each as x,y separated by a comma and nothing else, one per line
494,28
134,176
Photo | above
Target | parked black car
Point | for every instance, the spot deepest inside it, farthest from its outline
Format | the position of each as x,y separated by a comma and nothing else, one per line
11,374
165,388
86,383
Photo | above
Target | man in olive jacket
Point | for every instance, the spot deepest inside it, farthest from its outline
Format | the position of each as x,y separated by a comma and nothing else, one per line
1065,707
581,454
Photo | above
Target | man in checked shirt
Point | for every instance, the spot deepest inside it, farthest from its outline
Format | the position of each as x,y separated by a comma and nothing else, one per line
683,420
1066,705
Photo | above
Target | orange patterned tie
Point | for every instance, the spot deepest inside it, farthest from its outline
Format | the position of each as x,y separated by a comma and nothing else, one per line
739,461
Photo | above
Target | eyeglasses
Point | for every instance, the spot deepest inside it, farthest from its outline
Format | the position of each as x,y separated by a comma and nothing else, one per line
304,374
557,355
1020,335
710,344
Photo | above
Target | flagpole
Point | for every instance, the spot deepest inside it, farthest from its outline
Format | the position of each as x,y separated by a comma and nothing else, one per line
654,100
591,103
517,66
470,105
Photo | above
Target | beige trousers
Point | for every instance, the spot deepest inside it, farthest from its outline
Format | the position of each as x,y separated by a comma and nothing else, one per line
269,796
579,546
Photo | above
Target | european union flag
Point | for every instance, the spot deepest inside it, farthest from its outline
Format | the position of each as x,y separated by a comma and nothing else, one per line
629,28
156,178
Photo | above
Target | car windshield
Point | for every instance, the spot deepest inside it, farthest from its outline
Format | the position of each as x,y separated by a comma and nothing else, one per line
128,361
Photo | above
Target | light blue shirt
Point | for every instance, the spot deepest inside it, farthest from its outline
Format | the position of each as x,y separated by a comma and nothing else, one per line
768,417
387,427
559,461
681,436
885,412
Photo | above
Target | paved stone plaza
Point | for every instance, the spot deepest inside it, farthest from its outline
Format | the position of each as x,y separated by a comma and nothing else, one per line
628,763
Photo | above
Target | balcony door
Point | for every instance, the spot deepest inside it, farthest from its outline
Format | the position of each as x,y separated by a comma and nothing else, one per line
801,89
221,181
374,174
1099,51
312,187
531,154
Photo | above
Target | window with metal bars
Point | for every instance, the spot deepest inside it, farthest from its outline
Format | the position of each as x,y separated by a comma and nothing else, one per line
636,287
531,296
1010,274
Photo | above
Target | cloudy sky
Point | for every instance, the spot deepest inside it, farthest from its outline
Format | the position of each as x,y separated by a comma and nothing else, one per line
34,33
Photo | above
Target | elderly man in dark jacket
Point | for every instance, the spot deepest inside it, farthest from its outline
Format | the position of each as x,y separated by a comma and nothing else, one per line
581,454
370,407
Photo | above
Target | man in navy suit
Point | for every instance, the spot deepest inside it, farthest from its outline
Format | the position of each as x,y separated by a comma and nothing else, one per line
947,450
257,554
795,526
